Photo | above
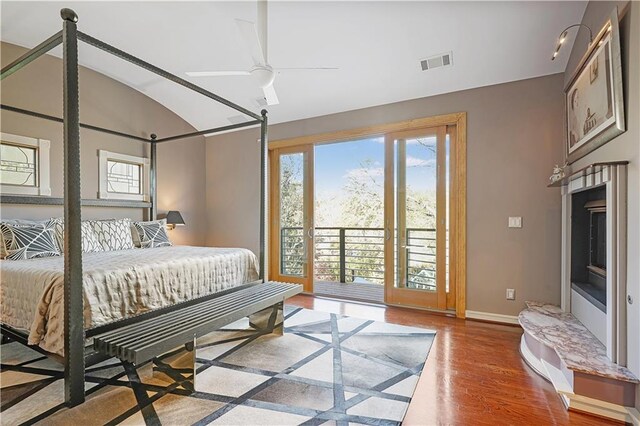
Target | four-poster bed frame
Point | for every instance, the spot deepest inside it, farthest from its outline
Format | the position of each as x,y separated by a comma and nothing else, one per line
74,333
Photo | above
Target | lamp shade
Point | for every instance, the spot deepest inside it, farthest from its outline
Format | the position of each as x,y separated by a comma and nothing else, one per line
174,218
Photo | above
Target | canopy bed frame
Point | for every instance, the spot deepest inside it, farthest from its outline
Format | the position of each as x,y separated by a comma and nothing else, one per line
75,357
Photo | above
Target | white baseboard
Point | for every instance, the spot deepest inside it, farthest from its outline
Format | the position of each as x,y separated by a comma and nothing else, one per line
488,316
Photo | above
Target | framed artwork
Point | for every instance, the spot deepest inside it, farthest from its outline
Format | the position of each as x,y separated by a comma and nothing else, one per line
593,98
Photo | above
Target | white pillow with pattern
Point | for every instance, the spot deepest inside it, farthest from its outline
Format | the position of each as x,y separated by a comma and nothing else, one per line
90,241
113,234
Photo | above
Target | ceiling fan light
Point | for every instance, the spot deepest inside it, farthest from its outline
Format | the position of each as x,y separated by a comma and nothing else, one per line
264,76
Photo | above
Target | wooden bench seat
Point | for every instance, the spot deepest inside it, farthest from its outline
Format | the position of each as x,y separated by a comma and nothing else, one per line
148,338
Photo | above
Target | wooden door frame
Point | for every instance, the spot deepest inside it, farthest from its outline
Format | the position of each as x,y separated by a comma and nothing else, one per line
457,129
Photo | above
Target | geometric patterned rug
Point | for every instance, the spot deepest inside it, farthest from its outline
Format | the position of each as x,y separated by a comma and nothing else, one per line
326,369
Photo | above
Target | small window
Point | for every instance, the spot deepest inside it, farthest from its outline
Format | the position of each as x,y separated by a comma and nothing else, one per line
123,177
24,165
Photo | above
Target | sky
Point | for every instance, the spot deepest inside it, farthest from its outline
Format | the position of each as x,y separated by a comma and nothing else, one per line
334,163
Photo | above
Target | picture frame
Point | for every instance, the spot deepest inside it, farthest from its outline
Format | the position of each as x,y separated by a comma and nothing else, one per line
594,104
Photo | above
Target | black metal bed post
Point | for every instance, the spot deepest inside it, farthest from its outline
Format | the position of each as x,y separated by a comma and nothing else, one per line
153,179
264,179
73,297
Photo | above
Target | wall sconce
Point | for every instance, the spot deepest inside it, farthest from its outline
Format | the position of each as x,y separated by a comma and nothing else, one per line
563,37
174,218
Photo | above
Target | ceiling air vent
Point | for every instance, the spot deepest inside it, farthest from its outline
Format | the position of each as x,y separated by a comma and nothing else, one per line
237,119
261,102
437,61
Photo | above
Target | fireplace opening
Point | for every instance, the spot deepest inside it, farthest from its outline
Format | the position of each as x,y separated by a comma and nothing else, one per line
589,246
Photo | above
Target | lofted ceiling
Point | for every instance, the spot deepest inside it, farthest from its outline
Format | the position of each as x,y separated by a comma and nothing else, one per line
377,46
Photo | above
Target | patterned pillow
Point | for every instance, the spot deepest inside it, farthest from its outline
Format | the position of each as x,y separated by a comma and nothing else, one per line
17,222
152,234
29,241
113,234
90,241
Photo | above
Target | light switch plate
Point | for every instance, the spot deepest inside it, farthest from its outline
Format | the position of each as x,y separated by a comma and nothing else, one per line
511,294
515,222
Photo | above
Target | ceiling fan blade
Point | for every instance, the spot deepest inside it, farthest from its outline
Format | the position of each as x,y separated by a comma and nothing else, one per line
306,68
215,73
249,34
261,27
270,95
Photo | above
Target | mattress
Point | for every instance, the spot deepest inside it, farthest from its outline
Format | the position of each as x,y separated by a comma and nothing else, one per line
116,285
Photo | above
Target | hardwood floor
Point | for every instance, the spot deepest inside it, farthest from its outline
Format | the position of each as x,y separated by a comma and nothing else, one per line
474,374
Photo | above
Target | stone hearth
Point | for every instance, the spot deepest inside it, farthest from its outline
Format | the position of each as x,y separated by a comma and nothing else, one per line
561,349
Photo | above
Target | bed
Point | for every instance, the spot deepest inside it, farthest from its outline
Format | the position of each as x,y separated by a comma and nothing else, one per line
116,285
95,301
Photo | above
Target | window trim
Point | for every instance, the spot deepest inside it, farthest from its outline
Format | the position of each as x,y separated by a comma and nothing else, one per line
43,182
145,178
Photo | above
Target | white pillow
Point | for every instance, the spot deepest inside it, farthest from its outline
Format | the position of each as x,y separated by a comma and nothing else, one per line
90,241
113,234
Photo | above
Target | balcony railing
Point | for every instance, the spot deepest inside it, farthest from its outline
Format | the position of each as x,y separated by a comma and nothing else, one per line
345,255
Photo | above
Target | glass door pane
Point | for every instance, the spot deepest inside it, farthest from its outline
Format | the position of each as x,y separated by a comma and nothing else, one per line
292,215
416,204
293,252
416,212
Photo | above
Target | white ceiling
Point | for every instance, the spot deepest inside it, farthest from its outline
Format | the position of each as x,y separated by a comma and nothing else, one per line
376,45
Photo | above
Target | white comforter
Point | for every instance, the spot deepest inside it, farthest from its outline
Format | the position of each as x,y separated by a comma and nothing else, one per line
117,285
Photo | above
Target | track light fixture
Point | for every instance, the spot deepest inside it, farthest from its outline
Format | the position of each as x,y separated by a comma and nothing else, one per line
563,37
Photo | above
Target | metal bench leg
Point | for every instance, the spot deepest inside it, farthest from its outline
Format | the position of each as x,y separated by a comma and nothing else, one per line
178,365
270,319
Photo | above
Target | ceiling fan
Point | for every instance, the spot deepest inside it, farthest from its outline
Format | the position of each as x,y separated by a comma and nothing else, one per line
255,39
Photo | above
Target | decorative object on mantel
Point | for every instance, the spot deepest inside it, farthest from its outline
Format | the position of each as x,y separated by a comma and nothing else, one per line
587,170
558,173
594,101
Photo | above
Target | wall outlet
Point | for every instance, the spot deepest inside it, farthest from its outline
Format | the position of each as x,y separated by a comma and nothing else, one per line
511,294
515,222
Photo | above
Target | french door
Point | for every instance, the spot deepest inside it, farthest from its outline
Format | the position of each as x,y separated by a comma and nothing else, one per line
292,225
417,217
418,245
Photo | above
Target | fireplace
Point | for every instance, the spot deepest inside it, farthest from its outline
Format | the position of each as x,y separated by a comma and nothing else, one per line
594,207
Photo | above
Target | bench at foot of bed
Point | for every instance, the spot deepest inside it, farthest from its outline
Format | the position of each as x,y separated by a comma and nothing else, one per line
174,334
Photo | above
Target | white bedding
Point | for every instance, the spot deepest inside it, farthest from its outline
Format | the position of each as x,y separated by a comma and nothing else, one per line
117,285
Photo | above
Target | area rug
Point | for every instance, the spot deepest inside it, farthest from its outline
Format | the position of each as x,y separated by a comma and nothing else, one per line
326,369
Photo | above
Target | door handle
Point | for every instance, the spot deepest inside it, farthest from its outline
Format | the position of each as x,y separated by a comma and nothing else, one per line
310,233
387,234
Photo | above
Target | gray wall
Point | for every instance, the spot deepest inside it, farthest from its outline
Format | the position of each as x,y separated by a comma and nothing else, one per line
625,146
107,103
513,136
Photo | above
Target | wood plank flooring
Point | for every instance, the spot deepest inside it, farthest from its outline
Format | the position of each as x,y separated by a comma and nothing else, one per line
474,374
